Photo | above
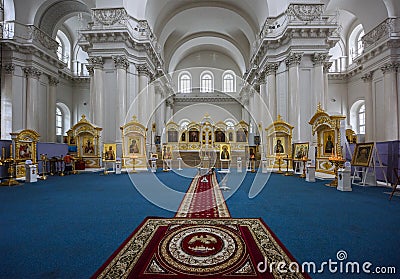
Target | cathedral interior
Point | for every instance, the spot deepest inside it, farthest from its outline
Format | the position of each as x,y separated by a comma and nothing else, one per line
304,89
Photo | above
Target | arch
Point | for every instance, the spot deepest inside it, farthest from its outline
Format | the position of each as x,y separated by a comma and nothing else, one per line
64,48
66,118
355,47
185,82
355,116
51,13
206,82
228,81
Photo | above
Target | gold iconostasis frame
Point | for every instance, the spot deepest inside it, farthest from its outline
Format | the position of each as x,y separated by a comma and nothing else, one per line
327,130
25,148
134,145
207,136
86,136
279,130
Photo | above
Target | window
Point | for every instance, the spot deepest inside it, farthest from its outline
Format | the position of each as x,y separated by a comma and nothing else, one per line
63,49
59,122
361,119
206,83
229,82
355,43
185,85
184,124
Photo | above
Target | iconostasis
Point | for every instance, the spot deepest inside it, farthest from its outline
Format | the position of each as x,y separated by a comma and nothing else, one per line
134,145
84,142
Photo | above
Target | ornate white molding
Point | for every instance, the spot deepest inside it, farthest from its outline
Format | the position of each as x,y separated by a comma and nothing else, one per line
271,68
390,67
9,68
121,62
90,69
96,61
305,12
327,66
367,77
32,72
383,30
143,69
109,17
53,81
319,59
293,59
45,40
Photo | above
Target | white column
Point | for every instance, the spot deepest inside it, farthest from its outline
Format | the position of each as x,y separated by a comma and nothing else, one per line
262,103
158,103
92,94
324,103
270,72
32,98
51,109
97,91
369,113
8,113
292,62
169,109
390,96
121,65
319,81
144,75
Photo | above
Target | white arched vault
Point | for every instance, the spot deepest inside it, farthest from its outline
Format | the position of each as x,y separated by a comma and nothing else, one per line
209,43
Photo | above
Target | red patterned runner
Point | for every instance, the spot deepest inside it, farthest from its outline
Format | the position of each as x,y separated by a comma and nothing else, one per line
204,199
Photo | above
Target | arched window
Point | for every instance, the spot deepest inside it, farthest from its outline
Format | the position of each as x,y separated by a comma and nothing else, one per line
355,43
59,124
64,48
9,18
184,124
229,82
361,119
185,83
207,82
63,120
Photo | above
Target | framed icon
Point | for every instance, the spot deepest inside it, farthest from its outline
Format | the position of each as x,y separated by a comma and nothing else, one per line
300,150
110,151
225,152
362,154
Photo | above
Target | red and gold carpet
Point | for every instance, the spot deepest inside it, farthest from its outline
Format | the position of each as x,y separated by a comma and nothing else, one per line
201,241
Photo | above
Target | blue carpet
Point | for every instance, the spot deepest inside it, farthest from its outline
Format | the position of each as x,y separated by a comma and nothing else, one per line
66,227
315,222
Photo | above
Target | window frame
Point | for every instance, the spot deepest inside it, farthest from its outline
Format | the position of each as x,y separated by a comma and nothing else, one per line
232,86
209,87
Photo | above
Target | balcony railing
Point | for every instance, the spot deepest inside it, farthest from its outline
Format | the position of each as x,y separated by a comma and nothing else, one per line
28,34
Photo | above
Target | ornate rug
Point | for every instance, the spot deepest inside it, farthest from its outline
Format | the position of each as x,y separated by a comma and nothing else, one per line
201,241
